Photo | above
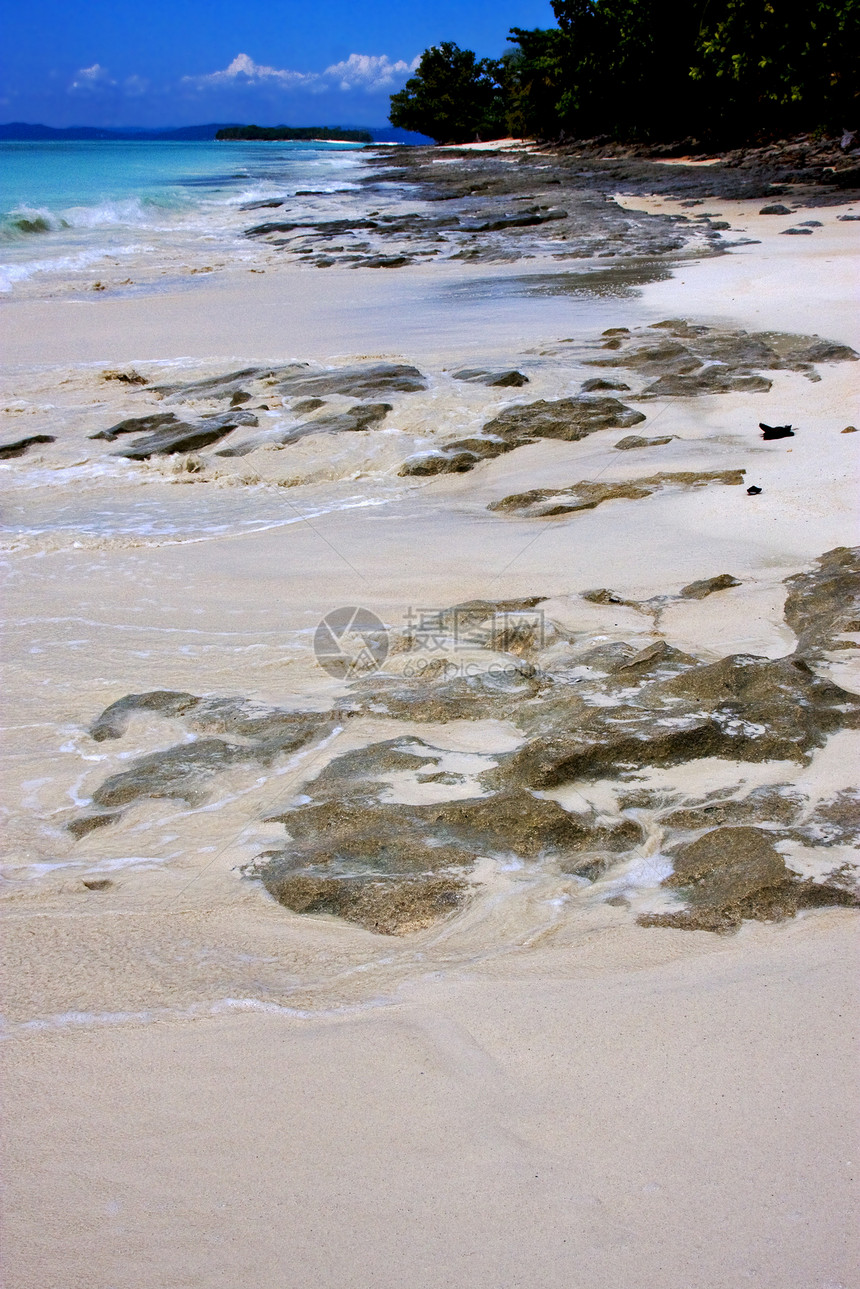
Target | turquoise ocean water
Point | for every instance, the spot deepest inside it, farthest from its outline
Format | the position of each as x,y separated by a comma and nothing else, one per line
64,205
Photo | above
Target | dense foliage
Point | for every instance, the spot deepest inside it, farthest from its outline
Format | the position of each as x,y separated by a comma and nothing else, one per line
723,70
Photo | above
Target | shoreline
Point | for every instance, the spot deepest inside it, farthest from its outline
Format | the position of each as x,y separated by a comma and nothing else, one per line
537,1086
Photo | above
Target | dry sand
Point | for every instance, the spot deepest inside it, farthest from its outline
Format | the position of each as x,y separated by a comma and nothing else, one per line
522,1097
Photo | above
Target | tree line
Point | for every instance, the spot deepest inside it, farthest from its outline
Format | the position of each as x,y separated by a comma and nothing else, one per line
722,71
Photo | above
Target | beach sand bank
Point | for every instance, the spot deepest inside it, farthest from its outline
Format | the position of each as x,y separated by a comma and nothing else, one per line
535,1090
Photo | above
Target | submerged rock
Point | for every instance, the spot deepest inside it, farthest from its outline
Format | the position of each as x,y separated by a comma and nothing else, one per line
501,379
226,384
350,837
569,419
387,836
113,721
388,907
731,874
363,416
434,697
833,823
89,823
185,771
187,438
742,708
138,425
778,804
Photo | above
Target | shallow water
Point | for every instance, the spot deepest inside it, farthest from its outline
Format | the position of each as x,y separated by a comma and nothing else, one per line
68,207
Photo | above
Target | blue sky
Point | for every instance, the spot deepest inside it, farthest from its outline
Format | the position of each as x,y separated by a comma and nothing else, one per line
184,62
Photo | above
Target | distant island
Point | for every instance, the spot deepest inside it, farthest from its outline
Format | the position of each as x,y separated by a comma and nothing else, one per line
24,132
271,133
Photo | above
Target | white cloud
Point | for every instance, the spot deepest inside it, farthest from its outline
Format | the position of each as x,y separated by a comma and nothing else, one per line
371,72
244,71
89,80
368,71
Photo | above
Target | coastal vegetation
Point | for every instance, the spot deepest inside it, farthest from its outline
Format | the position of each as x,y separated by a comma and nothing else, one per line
649,71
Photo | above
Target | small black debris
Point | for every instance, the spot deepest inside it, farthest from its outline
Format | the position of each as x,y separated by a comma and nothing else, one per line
848,219
810,223
753,491
775,431
775,210
797,232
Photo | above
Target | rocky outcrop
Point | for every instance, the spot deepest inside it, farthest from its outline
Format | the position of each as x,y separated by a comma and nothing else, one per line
731,874
568,419
356,382
510,379
349,833
824,604
187,438
138,425
17,449
186,771
707,585
684,360
388,907
388,835
639,441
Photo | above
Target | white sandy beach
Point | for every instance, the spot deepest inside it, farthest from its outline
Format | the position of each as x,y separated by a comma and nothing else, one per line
205,1089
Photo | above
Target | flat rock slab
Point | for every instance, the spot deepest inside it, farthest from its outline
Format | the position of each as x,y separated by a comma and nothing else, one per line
639,441
541,503
18,449
358,382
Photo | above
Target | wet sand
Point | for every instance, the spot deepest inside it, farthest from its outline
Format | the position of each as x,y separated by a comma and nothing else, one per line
537,1090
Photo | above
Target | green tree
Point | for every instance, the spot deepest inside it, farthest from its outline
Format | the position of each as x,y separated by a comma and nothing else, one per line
532,77
627,67
776,66
453,96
